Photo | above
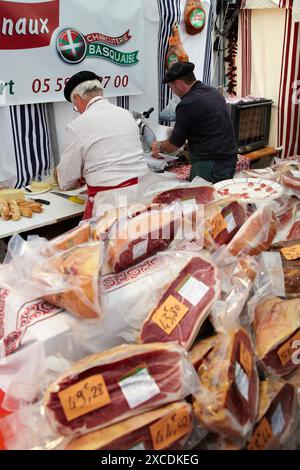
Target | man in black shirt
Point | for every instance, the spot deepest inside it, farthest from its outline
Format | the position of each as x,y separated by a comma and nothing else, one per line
203,120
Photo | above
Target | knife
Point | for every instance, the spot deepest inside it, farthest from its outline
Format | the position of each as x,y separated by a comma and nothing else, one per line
42,201
78,200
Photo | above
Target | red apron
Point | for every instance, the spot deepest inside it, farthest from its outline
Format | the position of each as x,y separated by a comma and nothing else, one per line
93,190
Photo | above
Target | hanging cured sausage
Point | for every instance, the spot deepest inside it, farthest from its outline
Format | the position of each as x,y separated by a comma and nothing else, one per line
194,17
175,53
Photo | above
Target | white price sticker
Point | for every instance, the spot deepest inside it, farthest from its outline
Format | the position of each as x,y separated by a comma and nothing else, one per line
242,381
277,420
230,222
139,387
140,249
193,290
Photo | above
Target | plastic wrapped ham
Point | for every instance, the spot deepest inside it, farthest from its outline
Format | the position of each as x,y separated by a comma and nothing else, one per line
288,261
227,401
117,384
276,327
166,428
276,416
288,173
80,266
257,233
132,239
199,194
167,189
103,224
184,305
66,278
76,236
223,219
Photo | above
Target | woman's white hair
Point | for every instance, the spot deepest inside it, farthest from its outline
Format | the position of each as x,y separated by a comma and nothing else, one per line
90,88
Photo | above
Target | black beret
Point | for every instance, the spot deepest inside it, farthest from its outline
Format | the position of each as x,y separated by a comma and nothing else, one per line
76,79
178,70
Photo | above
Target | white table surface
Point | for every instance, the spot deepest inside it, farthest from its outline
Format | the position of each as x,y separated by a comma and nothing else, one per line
58,210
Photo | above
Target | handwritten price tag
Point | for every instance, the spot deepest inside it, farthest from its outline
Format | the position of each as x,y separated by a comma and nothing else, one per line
261,436
291,252
85,396
246,359
218,225
286,351
169,314
171,428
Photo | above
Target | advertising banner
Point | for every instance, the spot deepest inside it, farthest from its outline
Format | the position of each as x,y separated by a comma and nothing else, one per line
44,43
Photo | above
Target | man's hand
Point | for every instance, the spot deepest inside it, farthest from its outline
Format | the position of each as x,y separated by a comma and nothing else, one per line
155,150
162,147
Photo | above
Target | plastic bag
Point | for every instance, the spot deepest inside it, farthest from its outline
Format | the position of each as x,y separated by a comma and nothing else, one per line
257,233
223,219
133,239
227,401
288,174
172,427
68,279
276,417
276,326
166,188
179,288
80,266
228,397
119,383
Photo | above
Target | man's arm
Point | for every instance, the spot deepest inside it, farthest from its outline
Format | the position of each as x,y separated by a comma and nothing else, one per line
164,146
179,133
69,169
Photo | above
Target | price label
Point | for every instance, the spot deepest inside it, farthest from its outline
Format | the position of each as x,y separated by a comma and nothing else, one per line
85,396
246,359
169,314
218,225
170,428
291,252
286,351
261,436
173,41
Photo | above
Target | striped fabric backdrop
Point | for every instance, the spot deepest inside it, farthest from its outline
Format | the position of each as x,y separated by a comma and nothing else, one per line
169,13
288,122
289,115
123,102
30,129
250,4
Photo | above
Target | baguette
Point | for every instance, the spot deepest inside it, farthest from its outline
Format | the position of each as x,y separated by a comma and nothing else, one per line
14,210
26,211
5,212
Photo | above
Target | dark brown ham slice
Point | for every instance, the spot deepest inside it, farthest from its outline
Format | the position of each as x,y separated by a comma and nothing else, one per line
184,305
276,327
234,215
274,425
228,398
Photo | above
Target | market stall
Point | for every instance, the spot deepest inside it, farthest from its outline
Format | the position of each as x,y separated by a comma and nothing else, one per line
170,323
